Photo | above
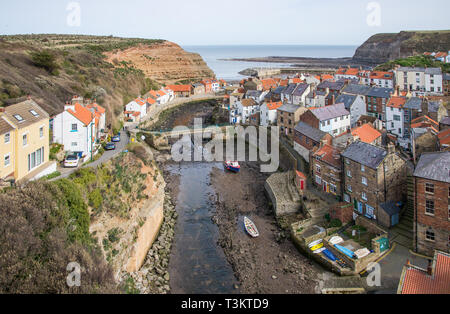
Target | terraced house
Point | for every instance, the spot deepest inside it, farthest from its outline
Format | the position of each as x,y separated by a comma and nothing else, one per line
376,100
432,203
326,170
24,146
373,176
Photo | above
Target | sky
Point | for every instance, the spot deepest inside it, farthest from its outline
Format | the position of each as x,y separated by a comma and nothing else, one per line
231,22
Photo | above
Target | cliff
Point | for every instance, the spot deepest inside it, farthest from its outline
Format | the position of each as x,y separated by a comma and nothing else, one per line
53,68
164,62
382,48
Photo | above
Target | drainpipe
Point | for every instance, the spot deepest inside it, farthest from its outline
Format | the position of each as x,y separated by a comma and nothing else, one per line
415,211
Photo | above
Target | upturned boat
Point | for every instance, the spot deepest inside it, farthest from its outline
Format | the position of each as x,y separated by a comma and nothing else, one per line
250,227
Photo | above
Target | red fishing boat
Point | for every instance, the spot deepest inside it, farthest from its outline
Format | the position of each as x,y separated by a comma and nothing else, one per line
232,166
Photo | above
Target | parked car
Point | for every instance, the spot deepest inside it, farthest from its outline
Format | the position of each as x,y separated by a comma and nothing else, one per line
116,138
72,161
110,146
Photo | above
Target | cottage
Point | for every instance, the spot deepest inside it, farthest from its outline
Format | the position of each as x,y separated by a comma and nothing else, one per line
432,194
395,122
420,81
376,100
300,93
288,116
355,104
75,129
326,170
136,109
244,109
181,91
306,138
333,119
268,114
368,134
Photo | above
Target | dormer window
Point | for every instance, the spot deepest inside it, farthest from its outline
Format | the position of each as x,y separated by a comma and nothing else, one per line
18,117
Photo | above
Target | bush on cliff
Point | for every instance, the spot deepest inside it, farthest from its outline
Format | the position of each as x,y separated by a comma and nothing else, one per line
43,228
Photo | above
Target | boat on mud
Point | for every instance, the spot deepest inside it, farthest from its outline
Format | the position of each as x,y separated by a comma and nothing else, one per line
250,227
232,166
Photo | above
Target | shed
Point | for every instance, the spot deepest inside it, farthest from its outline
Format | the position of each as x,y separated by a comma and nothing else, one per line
389,214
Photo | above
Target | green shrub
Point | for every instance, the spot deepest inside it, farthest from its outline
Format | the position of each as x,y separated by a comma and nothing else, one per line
45,59
335,223
95,199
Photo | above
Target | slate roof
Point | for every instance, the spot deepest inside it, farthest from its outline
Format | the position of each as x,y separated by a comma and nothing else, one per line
445,121
356,89
279,89
410,69
330,112
309,131
331,85
414,103
253,93
291,108
446,76
5,127
390,208
365,154
433,106
433,71
380,92
290,89
300,89
24,110
434,166
347,100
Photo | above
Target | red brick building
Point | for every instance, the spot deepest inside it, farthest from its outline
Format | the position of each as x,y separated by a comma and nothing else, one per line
432,203
343,212
326,170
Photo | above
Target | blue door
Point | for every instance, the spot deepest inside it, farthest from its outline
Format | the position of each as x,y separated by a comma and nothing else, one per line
394,220
360,207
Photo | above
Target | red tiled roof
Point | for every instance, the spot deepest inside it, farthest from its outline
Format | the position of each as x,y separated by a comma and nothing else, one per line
81,113
140,101
444,137
274,105
330,155
180,88
397,102
441,54
151,101
98,108
418,281
366,133
381,75
301,175
326,77
268,84
423,122
284,82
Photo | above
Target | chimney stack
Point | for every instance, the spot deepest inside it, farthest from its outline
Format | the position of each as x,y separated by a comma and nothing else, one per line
430,268
391,148
2,109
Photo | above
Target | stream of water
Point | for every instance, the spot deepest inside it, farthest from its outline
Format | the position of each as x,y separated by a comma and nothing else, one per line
197,264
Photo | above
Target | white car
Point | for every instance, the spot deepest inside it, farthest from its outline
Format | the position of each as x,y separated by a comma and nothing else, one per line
72,161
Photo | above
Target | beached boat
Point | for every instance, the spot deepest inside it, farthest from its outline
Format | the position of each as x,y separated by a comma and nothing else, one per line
335,240
250,227
344,250
329,255
232,166
316,245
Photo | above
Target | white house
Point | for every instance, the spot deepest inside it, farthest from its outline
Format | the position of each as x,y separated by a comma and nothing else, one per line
215,86
75,129
420,81
136,108
355,104
268,113
434,81
244,109
382,79
395,114
100,118
334,119
299,94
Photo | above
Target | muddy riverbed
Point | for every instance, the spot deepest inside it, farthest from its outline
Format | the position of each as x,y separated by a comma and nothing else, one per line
211,252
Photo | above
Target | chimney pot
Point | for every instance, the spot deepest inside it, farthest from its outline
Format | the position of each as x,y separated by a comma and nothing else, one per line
430,268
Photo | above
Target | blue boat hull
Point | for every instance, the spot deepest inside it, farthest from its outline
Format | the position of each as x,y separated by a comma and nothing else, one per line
329,255
232,169
345,250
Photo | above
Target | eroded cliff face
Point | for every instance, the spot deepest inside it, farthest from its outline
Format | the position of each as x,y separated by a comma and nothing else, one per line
382,48
164,62
126,239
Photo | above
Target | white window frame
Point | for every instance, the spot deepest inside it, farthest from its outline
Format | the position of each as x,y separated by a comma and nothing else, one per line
364,196
4,160
7,135
364,180
25,143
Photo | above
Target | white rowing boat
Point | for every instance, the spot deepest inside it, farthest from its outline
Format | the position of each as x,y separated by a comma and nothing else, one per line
250,227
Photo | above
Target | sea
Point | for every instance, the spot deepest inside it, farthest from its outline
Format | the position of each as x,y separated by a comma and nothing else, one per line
229,70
